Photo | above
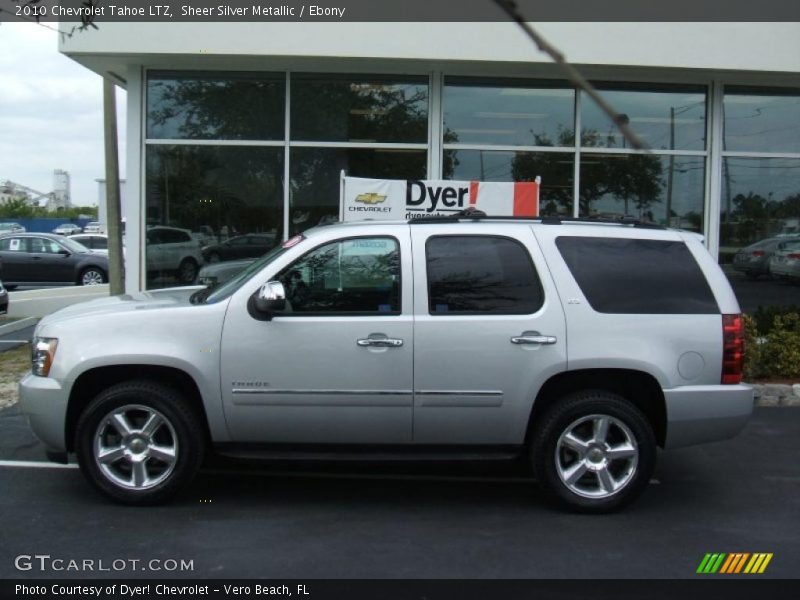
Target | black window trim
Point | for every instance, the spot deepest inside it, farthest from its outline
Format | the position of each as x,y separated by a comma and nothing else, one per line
478,313
394,313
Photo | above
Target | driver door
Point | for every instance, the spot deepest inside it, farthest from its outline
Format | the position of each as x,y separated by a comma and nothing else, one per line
336,365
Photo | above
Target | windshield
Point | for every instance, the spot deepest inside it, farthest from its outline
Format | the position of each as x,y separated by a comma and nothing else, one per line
224,290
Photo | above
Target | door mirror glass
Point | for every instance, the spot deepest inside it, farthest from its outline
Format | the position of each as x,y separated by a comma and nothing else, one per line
270,298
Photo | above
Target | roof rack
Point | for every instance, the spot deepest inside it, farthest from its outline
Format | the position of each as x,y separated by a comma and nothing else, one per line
472,215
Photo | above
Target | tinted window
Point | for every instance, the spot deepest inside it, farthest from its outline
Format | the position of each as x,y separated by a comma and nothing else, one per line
43,246
637,276
354,276
13,244
481,275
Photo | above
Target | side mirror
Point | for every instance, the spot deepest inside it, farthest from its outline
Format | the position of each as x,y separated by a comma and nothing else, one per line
271,298
64,252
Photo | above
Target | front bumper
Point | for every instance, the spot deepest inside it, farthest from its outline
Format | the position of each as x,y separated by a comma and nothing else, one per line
706,413
44,402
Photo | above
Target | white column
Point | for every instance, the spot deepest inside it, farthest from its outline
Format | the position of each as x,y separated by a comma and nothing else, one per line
133,207
714,165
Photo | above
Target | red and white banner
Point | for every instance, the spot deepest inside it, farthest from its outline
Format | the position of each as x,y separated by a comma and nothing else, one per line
400,199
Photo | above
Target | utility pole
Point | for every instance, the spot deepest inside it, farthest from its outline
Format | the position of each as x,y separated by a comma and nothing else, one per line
116,265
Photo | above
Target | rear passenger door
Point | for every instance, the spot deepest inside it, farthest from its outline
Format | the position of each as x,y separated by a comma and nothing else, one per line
489,331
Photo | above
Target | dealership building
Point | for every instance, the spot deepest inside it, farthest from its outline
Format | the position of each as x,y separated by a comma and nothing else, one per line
244,128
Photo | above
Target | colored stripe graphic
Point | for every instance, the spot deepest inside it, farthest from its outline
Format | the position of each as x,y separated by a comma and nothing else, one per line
734,562
473,192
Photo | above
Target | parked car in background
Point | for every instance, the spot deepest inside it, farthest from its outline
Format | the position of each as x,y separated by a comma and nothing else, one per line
93,241
173,250
205,235
3,299
11,228
220,272
93,227
754,260
46,259
251,245
67,229
785,263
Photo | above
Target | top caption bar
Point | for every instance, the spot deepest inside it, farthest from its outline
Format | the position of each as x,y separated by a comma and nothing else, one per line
99,11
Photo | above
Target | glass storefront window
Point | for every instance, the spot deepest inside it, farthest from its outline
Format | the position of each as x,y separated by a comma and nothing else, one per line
508,112
315,172
555,168
667,190
330,108
760,199
201,201
664,119
215,106
761,120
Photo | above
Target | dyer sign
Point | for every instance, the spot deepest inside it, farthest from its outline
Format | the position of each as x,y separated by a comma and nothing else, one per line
401,199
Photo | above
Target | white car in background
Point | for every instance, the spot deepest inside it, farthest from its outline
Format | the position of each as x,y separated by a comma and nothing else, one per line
173,250
93,227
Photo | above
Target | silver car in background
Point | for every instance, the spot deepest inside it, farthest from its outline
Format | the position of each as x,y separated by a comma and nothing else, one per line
785,262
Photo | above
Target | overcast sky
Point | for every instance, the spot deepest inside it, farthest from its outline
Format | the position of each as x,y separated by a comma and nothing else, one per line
51,114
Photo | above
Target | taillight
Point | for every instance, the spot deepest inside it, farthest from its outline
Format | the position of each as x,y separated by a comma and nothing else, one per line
793,255
732,349
757,253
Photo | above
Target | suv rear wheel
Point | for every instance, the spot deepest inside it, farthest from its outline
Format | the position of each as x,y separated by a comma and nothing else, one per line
593,451
187,271
139,442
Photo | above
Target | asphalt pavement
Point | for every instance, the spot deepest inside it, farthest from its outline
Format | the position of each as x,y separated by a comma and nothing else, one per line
474,521
9,341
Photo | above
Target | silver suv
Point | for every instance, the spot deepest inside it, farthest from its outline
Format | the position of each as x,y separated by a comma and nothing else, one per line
584,346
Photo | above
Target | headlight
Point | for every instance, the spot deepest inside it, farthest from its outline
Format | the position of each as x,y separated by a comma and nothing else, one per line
42,354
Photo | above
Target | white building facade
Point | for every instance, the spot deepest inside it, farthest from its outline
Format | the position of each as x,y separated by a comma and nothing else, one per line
238,129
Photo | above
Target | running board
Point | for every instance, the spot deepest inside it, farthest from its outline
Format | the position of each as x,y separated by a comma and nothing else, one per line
291,452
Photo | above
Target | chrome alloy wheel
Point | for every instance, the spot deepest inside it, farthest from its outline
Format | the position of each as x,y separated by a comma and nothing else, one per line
596,456
135,447
92,277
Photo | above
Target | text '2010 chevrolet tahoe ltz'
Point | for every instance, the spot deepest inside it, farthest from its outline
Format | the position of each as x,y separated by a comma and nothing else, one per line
585,346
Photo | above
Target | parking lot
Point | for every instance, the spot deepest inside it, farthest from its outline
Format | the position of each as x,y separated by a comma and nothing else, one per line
469,521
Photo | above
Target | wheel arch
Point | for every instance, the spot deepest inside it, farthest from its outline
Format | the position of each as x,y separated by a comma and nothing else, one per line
93,381
638,387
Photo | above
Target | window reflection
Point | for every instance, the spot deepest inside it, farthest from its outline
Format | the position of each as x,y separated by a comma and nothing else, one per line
667,190
199,198
555,168
373,109
761,120
508,112
662,119
315,172
215,106
760,199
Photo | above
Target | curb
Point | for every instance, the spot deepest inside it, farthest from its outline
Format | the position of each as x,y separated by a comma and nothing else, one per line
776,394
19,325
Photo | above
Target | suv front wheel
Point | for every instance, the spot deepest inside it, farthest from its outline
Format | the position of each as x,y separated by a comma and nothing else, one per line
593,451
139,442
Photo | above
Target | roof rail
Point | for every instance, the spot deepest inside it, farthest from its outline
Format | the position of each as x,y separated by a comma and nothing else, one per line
478,215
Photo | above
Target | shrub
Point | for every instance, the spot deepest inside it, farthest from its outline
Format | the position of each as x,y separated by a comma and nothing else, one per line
774,351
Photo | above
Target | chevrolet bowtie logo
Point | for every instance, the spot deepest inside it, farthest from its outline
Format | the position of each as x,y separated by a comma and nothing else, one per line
370,198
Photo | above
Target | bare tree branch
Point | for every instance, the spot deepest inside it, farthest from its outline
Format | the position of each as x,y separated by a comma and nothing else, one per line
620,120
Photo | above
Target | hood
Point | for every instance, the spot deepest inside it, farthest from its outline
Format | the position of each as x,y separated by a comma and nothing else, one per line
157,299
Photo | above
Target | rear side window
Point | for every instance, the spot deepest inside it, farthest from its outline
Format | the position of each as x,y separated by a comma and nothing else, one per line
481,275
630,276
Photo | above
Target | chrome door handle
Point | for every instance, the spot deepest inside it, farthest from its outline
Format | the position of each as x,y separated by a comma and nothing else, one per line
534,337
381,342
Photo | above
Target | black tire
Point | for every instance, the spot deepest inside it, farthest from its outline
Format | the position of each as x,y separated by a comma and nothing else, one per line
548,457
93,273
184,421
187,271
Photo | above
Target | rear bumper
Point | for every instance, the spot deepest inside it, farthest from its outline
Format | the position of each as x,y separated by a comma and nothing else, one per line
44,402
706,413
